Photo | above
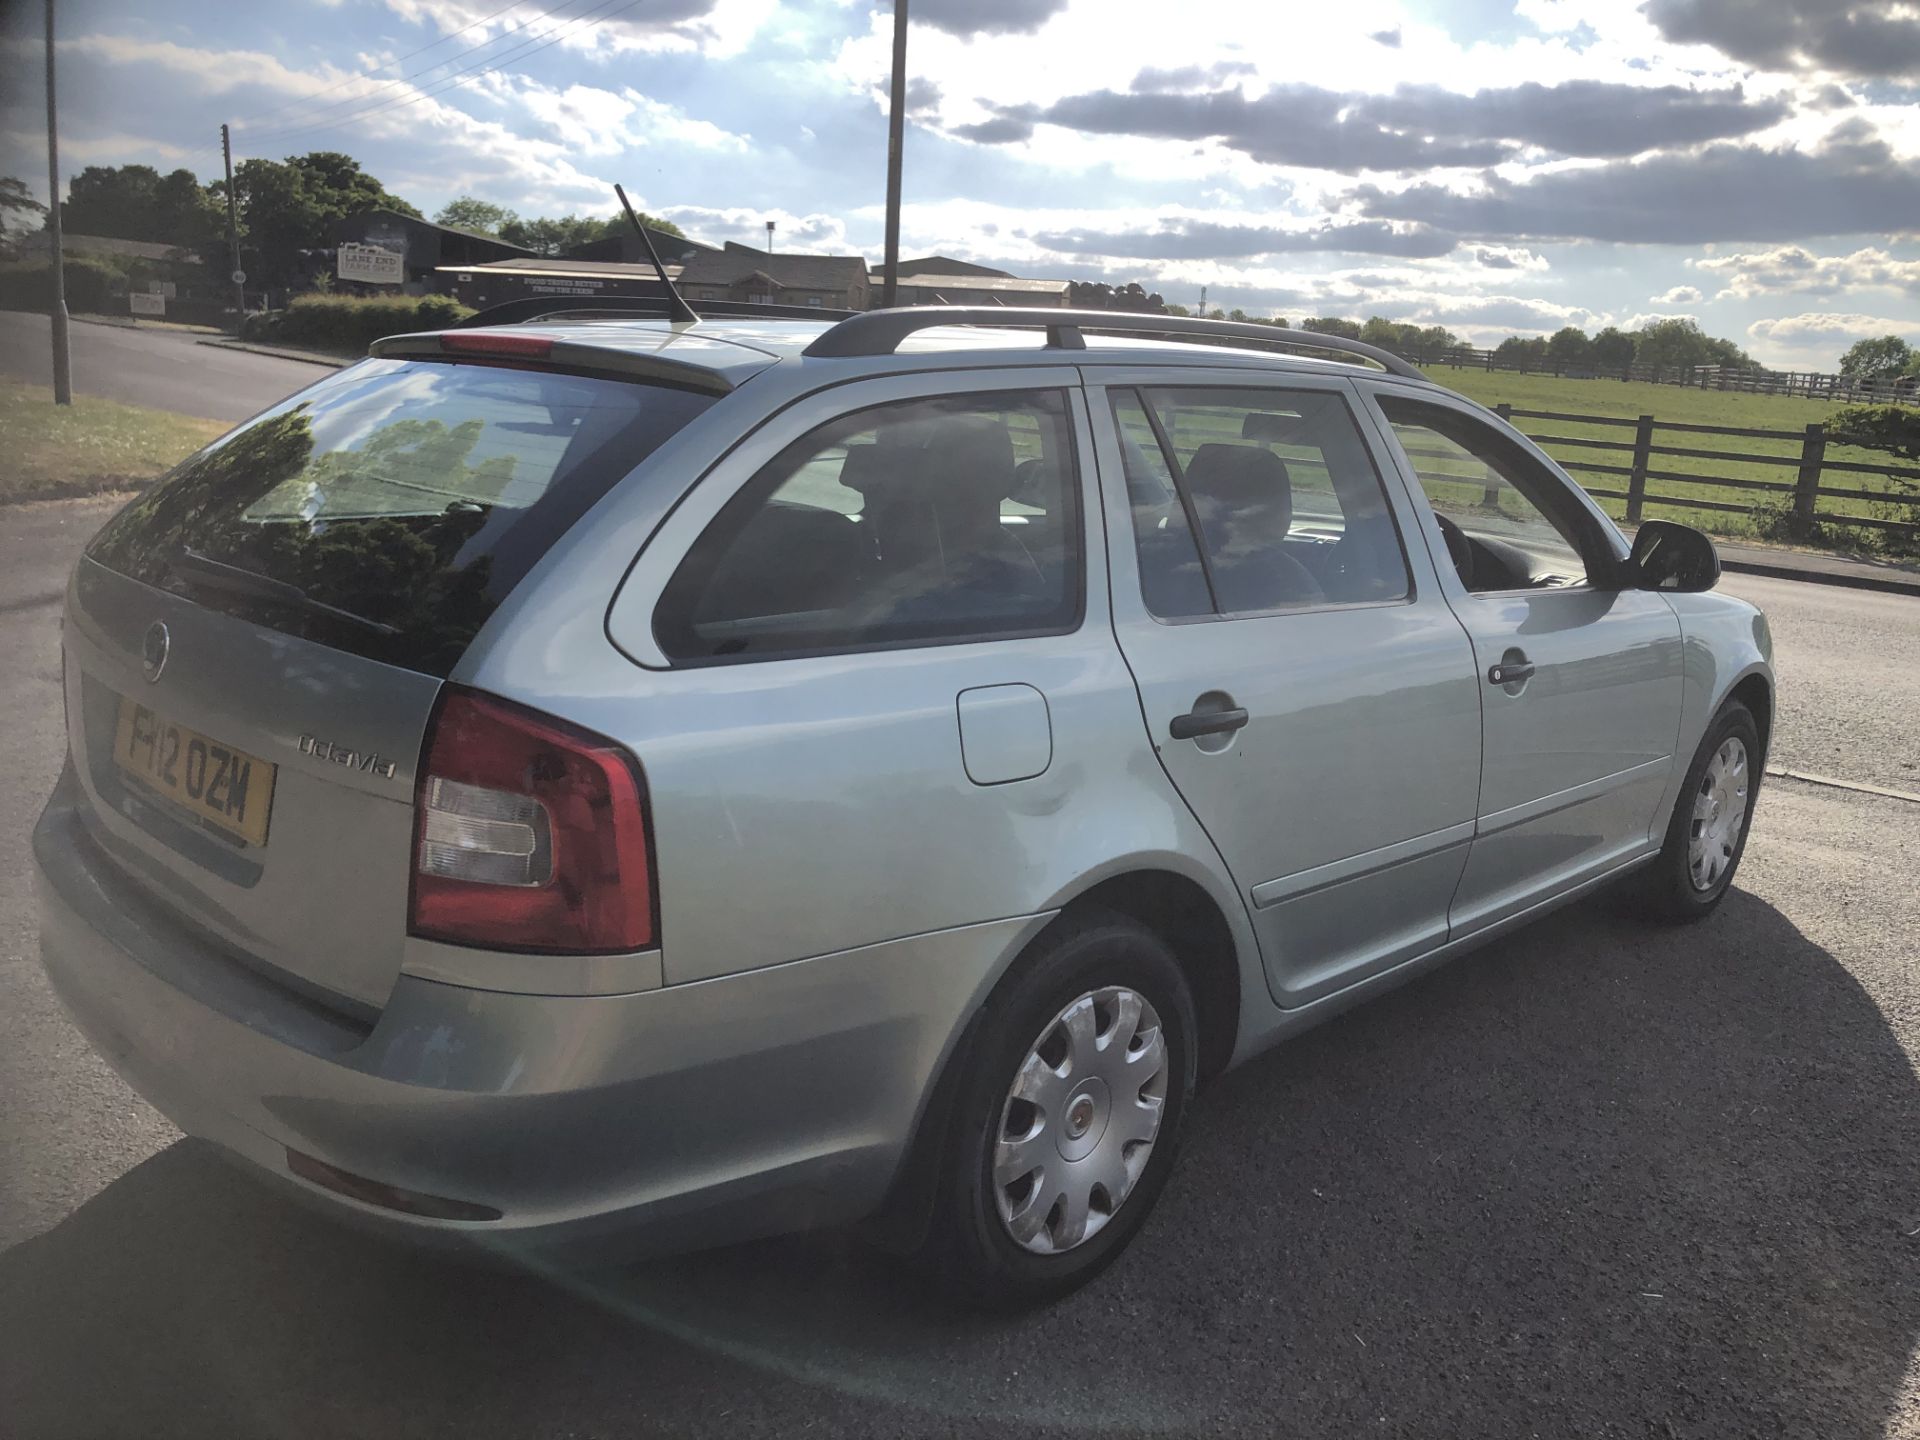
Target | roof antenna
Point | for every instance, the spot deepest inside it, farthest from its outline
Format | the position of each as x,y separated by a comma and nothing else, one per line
678,311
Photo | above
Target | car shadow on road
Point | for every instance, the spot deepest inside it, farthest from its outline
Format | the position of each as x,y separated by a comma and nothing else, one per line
1596,1179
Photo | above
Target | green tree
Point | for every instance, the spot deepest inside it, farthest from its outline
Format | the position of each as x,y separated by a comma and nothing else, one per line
14,199
1874,359
1519,352
1381,331
482,217
556,235
1613,349
1892,428
1332,325
1674,344
1569,348
137,202
287,206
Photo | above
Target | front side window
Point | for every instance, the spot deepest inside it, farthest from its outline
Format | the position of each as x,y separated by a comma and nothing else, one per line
1509,523
922,521
1280,490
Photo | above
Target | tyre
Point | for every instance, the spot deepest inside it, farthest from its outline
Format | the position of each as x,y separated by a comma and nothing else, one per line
1067,1116
1707,833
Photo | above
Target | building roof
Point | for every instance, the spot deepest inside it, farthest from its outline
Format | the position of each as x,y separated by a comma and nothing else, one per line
356,224
625,245
788,272
562,268
1006,284
108,245
947,265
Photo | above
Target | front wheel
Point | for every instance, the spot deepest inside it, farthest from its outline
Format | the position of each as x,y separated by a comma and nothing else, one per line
1068,1116
1707,833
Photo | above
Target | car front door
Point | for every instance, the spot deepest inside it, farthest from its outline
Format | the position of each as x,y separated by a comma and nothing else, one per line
1580,682
1303,682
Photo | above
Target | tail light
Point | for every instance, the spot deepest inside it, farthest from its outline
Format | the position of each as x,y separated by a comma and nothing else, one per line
529,834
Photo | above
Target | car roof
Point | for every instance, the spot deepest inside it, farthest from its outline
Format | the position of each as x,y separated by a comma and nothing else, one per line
731,350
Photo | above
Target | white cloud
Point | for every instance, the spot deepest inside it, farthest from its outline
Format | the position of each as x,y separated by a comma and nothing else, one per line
716,28
1510,257
1826,330
1680,295
603,122
1653,317
1793,269
814,234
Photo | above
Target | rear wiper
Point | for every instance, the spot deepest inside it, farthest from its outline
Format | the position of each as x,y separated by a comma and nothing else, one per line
218,575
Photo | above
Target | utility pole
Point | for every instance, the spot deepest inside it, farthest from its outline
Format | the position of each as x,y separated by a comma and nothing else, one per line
57,311
769,262
1203,302
233,239
896,131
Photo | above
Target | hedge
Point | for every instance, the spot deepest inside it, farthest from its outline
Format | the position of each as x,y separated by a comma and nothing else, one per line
91,286
352,322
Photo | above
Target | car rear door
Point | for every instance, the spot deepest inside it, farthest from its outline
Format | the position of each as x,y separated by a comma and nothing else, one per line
1580,682
1303,682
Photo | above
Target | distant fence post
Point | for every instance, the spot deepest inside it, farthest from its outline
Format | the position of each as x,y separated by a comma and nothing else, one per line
1806,486
1637,478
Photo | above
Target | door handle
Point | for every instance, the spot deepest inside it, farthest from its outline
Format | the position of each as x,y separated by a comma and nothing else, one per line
1510,672
1196,723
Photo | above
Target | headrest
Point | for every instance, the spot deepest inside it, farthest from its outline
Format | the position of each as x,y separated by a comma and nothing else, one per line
868,468
1269,426
1239,475
971,463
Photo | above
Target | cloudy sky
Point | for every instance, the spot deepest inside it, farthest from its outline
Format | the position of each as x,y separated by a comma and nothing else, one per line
1497,166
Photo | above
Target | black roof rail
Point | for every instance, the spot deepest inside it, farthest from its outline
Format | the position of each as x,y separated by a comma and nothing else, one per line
879,332
649,307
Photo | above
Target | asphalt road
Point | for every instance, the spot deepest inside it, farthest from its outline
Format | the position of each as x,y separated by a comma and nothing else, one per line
1598,1179
165,369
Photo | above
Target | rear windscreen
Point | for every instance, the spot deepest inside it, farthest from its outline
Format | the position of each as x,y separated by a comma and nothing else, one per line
390,509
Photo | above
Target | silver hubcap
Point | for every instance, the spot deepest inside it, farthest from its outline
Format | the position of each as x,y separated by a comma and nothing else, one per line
1719,814
1080,1120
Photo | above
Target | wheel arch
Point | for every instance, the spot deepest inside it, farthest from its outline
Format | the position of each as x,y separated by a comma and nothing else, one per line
1195,921
1755,691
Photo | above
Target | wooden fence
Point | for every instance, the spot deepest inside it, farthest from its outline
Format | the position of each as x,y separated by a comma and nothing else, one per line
1847,389
1647,451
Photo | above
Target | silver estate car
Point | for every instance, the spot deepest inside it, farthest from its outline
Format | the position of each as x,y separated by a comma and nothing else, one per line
592,777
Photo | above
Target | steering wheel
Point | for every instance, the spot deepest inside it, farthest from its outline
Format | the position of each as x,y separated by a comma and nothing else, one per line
1459,548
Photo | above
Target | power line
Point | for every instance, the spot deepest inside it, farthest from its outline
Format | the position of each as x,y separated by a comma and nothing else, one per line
450,82
302,121
372,71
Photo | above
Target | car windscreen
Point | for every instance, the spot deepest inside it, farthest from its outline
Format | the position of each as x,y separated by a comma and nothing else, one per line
390,509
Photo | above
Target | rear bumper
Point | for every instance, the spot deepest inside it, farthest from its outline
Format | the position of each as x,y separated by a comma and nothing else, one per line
697,1114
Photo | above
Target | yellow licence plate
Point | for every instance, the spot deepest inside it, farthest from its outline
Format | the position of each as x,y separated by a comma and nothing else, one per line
225,788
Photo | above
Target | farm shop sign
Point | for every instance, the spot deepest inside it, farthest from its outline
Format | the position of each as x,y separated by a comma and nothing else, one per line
372,264
565,285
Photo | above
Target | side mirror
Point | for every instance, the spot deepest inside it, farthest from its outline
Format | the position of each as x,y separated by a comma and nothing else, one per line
1667,556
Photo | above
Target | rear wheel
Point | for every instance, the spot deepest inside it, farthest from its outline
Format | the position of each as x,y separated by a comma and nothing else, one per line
1068,1116
1707,833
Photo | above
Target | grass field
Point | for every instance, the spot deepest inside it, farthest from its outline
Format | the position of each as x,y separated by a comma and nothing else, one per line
50,451
1677,404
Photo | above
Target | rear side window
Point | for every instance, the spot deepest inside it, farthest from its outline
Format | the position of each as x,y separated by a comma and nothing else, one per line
390,509
1280,489
923,521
